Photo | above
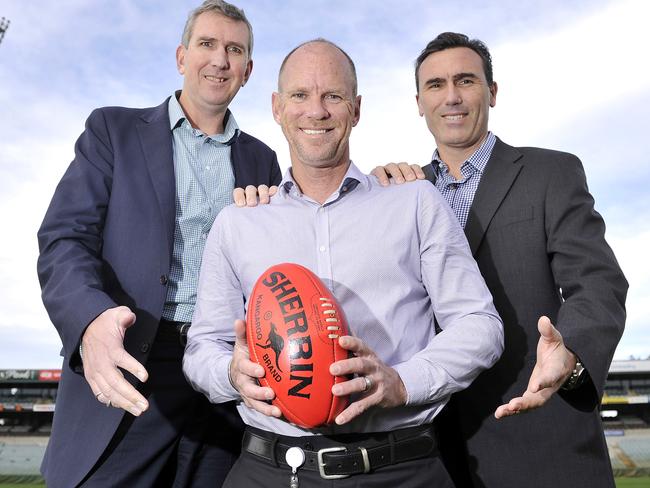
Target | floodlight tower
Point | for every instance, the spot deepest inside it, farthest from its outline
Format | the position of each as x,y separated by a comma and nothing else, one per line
4,25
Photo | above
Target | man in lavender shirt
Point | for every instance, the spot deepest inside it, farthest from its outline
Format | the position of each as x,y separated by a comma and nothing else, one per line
395,282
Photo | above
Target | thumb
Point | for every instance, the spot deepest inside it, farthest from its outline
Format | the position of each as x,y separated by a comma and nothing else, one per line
546,329
125,317
240,334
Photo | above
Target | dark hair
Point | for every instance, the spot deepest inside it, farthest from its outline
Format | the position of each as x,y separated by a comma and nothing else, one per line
353,70
449,40
218,7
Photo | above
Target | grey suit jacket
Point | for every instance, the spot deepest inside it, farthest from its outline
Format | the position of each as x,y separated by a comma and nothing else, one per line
540,246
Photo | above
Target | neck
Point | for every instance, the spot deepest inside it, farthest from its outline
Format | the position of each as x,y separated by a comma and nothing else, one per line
208,122
454,157
319,183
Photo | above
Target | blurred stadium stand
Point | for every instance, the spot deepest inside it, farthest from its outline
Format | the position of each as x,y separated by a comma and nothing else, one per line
27,399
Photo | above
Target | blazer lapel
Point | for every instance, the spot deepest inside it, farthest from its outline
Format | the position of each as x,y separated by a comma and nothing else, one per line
500,173
156,141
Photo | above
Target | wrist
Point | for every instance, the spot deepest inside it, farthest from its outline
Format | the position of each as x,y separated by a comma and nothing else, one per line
576,378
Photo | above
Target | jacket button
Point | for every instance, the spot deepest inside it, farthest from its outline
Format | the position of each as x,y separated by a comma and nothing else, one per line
163,279
144,347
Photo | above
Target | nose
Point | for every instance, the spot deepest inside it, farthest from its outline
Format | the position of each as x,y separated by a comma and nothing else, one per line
453,95
219,59
316,108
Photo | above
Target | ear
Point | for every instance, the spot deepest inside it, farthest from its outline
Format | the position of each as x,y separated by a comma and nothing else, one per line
180,59
417,100
249,70
357,111
276,105
493,94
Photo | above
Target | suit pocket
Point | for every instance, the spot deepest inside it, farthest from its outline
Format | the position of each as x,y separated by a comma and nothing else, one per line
521,214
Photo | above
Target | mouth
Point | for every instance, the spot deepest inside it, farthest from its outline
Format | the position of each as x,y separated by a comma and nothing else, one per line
454,116
215,79
315,132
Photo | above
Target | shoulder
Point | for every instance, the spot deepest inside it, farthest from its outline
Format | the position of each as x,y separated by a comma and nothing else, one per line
247,141
413,190
118,114
537,155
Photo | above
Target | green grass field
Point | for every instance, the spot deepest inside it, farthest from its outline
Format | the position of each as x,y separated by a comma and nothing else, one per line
643,482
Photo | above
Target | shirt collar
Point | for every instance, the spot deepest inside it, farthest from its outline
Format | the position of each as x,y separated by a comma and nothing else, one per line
177,118
478,160
352,179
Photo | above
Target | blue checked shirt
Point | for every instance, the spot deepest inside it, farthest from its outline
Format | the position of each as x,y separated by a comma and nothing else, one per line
204,183
460,193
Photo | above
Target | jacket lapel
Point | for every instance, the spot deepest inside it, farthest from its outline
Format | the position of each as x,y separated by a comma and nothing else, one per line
500,173
156,141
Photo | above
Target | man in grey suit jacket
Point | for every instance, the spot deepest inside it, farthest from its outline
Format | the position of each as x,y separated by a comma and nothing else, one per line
120,249
531,225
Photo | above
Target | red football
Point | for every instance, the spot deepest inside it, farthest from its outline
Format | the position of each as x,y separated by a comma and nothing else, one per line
292,325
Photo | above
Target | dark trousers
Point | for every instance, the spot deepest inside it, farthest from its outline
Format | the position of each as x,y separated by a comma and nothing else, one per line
182,440
253,471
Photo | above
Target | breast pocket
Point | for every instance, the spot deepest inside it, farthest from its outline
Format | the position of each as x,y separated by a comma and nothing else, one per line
514,216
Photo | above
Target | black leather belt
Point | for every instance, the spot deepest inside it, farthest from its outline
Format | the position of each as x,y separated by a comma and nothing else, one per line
344,455
174,330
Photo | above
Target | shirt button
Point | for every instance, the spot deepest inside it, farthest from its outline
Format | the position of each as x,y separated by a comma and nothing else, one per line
344,189
208,168
321,249
163,279
204,236
144,347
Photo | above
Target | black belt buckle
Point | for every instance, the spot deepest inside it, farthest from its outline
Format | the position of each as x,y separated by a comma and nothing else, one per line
322,464
182,332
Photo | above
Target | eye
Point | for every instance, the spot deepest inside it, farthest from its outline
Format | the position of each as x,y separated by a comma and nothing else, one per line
298,96
235,50
333,97
466,81
205,43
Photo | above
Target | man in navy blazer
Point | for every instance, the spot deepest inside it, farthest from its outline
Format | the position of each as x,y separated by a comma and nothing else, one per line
540,245
120,248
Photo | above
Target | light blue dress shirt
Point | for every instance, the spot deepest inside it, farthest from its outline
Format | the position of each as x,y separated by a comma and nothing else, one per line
393,257
204,184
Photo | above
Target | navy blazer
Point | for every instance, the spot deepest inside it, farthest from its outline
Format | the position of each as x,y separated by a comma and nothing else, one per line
106,240
541,248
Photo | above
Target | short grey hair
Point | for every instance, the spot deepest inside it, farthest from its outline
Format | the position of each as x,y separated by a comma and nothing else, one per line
222,8
353,70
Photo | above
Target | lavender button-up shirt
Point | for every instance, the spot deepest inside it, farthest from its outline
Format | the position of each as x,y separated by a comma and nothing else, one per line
393,257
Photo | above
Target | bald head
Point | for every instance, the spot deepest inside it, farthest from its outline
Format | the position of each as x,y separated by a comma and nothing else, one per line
317,46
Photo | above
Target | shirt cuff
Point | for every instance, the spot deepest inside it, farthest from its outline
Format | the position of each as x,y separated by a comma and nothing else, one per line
416,380
221,389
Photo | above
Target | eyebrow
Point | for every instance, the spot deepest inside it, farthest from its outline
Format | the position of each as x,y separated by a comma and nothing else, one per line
460,76
229,43
456,77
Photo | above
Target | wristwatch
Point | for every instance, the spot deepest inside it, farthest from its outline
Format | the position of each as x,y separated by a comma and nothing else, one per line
576,378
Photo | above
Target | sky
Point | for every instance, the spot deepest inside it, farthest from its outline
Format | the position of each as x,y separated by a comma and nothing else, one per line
571,77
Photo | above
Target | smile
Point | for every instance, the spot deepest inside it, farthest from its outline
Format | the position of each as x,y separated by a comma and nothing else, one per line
315,131
215,79
454,116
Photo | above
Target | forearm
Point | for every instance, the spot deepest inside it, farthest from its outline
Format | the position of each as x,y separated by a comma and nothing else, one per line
592,316
453,359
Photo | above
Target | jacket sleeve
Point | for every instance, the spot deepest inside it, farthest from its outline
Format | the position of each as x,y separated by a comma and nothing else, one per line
592,315
70,239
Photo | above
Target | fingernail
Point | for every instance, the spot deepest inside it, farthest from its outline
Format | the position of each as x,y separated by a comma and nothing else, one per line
269,395
142,405
134,411
142,376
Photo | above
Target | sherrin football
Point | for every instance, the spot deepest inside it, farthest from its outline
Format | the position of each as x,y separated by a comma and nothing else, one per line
292,326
